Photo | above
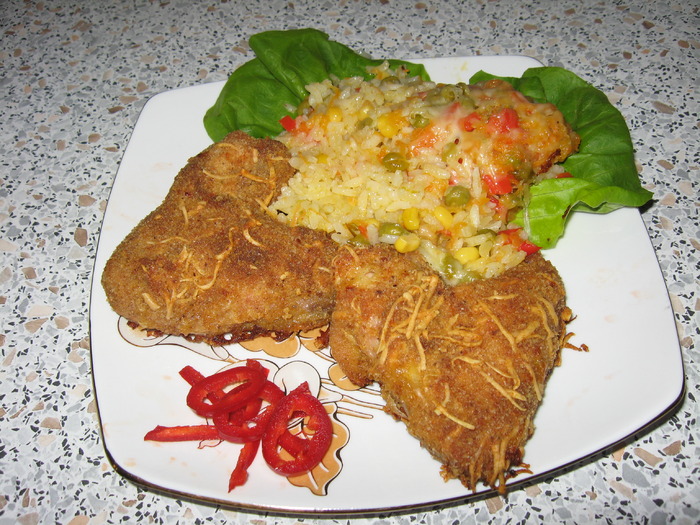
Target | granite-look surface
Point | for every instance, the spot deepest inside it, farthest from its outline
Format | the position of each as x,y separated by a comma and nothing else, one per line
73,78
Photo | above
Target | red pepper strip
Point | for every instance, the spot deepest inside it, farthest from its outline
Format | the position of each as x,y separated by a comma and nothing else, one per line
182,433
249,422
245,458
209,388
298,402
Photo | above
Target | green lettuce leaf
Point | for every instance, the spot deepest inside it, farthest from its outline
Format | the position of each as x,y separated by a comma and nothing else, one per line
262,91
604,173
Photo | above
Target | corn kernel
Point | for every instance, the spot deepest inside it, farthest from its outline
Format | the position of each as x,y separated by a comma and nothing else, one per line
334,114
443,215
467,254
388,125
322,158
407,243
410,219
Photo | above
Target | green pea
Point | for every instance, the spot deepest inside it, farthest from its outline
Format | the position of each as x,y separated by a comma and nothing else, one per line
395,161
391,228
440,96
418,120
449,151
457,196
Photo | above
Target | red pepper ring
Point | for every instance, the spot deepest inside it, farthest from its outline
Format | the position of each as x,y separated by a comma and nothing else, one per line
211,388
191,375
249,422
307,452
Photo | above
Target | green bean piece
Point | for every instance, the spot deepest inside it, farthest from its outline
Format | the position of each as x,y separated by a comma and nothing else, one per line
455,272
451,267
359,240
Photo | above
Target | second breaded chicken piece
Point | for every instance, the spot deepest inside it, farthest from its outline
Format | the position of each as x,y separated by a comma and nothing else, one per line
463,367
210,261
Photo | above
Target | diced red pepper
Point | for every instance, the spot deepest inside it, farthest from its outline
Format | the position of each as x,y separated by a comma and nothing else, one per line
529,248
288,122
317,429
512,236
500,183
565,175
468,123
425,138
182,433
503,121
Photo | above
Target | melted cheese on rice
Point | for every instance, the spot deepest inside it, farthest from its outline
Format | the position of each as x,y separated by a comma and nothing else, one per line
438,168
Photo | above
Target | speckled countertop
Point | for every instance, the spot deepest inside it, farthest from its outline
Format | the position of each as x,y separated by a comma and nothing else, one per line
73,78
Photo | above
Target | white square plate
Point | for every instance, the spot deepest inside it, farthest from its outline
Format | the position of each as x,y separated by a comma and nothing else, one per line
631,377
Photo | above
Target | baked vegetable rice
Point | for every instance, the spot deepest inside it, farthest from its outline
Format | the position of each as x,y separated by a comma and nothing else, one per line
439,168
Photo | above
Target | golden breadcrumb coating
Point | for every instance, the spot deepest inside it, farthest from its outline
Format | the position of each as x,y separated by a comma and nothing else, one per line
463,367
211,261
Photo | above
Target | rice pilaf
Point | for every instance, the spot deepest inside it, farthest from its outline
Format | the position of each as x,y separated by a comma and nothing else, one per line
439,168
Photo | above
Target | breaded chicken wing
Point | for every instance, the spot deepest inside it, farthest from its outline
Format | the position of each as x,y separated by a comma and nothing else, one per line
463,367
211,261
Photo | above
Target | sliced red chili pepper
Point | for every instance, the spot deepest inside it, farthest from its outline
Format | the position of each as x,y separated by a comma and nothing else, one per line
564,175
238,417
191,375
245,458
249,422
250,381
317,429
182,433
292,443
